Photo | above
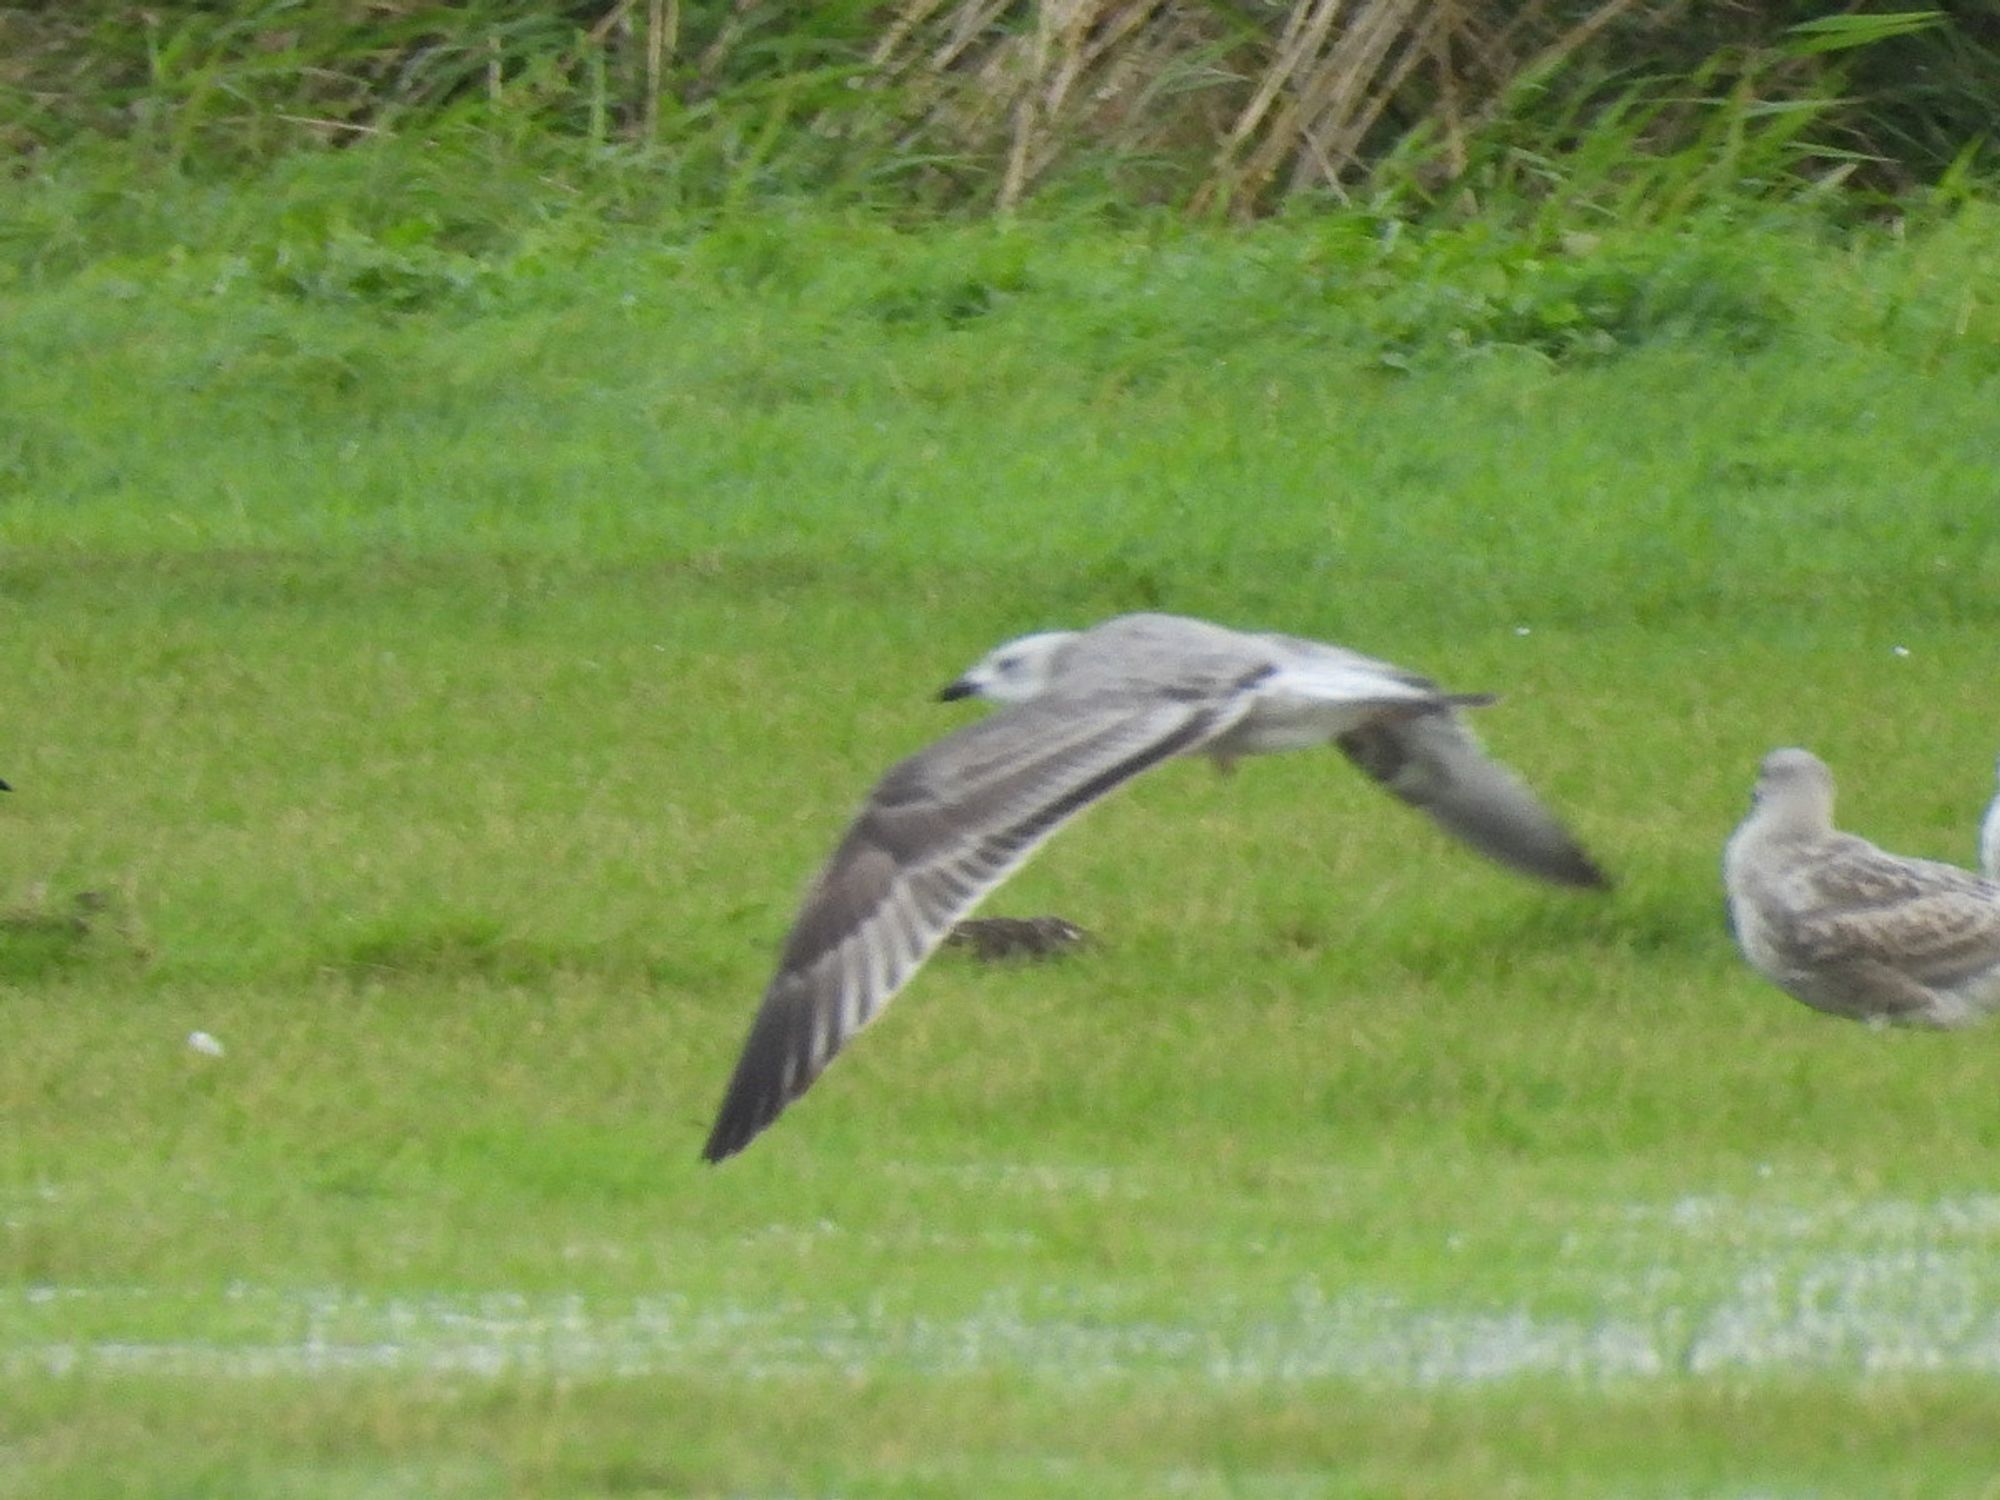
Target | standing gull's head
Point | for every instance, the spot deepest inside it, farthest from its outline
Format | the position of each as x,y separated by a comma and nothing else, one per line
1794,788
1013,673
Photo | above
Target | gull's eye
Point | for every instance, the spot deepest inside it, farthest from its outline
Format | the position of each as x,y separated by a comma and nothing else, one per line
1010,664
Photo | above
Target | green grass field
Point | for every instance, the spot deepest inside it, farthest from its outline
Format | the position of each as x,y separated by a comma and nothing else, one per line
444,680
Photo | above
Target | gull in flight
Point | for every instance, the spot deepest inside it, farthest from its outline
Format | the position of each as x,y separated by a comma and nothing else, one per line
1083,712
1847,928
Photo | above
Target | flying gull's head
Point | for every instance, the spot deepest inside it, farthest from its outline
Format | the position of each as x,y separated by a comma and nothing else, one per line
1013,673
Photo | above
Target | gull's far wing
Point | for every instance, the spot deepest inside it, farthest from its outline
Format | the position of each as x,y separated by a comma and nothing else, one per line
1435,764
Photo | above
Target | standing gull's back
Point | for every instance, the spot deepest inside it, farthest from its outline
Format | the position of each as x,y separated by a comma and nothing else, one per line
1850,929
1082,713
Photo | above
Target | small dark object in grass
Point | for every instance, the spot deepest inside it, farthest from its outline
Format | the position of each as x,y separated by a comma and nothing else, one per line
993,939
43,935
76,920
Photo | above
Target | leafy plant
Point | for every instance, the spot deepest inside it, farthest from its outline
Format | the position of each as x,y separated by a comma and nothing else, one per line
1227,108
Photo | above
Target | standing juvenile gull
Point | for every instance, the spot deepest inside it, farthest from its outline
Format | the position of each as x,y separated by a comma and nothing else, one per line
1989,838
1848,929
1083,712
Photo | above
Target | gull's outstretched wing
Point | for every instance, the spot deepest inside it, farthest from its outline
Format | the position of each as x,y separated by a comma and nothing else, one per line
1436,765
939,832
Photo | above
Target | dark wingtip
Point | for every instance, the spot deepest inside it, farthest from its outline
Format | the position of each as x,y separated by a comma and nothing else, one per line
774,1069
1591,878
4,787
746,1109
741,1119
1570,868
720,1147
1575,868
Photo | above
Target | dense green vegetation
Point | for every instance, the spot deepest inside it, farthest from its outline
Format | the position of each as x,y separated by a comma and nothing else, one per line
1224,105
457,583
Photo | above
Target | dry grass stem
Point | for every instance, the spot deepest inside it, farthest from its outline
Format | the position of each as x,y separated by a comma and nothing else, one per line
1307,98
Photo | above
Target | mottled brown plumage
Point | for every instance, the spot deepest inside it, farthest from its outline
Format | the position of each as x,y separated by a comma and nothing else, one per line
1844,926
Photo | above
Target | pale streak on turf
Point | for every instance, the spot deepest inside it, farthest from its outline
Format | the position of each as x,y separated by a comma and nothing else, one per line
1690,1288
